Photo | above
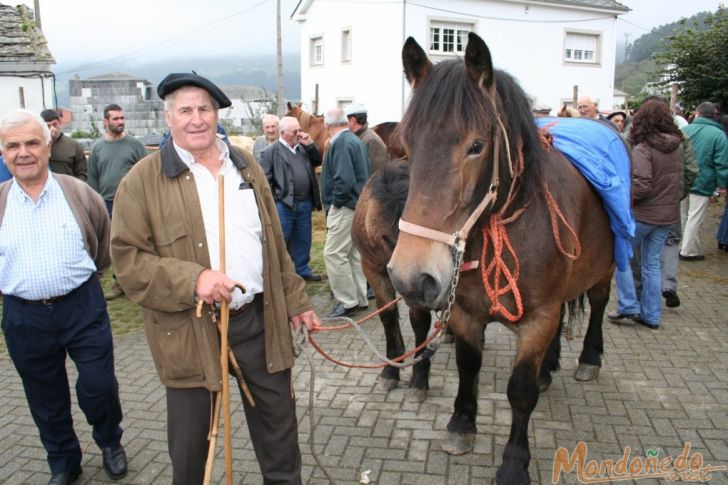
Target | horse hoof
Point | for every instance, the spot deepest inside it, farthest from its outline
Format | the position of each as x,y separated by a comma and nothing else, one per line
543,384
416,395
458,444
386,384
586,372
512,476
448,338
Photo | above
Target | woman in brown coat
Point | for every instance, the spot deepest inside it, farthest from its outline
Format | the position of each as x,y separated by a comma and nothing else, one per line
655,195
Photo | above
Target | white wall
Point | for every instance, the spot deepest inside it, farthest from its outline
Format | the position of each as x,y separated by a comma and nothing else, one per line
374,73
36,100
529,46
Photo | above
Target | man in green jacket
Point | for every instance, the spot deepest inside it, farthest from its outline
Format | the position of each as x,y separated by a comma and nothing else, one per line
711,150
164,246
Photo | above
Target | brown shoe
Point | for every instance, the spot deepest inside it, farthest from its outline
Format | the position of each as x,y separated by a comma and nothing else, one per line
115,292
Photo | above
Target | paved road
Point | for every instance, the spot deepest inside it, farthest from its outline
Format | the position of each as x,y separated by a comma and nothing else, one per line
657,390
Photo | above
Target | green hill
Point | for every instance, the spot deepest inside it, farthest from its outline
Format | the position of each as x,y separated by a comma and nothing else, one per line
639,68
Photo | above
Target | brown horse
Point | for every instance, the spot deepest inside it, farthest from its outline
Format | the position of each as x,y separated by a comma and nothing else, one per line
374,232
541,234
314,125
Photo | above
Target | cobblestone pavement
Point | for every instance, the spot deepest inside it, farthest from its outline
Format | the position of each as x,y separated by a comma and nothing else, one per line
657,390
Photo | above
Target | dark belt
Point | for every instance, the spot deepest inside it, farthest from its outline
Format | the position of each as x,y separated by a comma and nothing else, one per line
244,308
54,299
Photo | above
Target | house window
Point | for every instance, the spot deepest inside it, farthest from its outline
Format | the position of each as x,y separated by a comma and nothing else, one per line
581,47
449,37
317,51
346,45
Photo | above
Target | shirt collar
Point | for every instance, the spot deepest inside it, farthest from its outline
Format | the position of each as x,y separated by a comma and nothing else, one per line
16,189
188,159
283,142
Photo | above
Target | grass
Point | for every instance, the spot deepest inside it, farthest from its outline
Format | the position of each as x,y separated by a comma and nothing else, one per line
126,317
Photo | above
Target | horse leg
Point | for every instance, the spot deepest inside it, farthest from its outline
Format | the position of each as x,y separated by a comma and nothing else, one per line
590,360
421,320
551,359
534,336
469,356
384,293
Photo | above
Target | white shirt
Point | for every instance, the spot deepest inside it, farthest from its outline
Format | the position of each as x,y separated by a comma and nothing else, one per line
291,149
243,231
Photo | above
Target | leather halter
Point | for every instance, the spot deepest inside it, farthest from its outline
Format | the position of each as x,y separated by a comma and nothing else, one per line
458,239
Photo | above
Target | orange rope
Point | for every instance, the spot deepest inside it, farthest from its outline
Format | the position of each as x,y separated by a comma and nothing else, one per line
327,356
497,269
556,216
504,280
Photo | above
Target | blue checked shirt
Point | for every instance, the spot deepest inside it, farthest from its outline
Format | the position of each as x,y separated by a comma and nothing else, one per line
42,253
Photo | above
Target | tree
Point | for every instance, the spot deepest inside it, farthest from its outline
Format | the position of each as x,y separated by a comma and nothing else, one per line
698,61
259,107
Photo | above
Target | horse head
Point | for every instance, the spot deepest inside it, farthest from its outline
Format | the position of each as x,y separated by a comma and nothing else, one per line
454,138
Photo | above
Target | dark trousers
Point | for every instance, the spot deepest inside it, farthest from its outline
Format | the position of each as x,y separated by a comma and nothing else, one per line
272,422
297,227
38,337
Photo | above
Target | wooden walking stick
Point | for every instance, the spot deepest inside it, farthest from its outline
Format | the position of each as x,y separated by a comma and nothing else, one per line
224,324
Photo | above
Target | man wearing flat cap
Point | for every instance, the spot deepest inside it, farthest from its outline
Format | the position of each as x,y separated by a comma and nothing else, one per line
67,155
356,114
164,245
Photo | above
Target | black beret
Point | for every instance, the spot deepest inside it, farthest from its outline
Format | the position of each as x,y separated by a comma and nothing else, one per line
49,115
177,80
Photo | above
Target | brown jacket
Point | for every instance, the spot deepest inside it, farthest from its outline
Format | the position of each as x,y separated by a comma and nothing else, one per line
90,212
159,247
656,176
378,154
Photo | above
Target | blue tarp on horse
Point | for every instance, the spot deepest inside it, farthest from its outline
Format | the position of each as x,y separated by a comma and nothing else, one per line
601,156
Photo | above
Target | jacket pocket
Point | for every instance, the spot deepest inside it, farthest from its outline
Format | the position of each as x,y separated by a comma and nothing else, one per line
170,239
174,346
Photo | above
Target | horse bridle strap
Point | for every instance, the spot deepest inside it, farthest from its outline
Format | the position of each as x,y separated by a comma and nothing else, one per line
457,240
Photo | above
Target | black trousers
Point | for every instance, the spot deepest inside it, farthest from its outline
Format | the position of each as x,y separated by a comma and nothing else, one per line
39,337
272,422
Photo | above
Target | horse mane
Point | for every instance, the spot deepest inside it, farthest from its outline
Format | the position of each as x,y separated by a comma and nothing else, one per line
390,186
448,94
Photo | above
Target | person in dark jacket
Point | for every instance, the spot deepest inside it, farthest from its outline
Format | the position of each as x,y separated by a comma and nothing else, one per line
345,171
656,176
289,166
67,156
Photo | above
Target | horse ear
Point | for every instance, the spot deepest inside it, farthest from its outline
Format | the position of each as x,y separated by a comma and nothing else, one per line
478,62
290,107
415,61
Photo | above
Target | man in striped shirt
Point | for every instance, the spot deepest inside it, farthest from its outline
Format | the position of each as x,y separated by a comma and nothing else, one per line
54,242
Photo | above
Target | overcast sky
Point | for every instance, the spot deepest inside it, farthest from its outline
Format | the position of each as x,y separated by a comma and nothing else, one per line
84,31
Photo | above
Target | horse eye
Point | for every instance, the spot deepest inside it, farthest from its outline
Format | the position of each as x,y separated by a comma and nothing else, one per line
475,148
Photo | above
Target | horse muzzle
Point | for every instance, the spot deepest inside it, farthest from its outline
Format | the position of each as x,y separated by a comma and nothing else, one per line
420,271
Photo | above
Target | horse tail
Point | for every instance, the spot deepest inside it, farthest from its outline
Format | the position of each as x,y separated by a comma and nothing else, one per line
576,310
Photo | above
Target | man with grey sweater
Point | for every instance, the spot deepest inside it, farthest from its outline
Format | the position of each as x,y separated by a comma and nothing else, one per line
112,156
110,159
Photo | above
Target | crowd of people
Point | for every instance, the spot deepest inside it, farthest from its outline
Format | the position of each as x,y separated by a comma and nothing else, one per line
677,167
155,218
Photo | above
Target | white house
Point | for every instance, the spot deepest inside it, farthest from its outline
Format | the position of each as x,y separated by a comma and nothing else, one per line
26,80
351,50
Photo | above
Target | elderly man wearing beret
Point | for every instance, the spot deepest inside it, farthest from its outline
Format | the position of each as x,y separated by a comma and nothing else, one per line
164,245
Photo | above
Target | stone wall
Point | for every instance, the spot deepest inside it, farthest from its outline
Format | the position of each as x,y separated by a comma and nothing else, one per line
142,107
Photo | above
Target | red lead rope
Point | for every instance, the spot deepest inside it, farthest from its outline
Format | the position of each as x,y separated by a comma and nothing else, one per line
498,278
